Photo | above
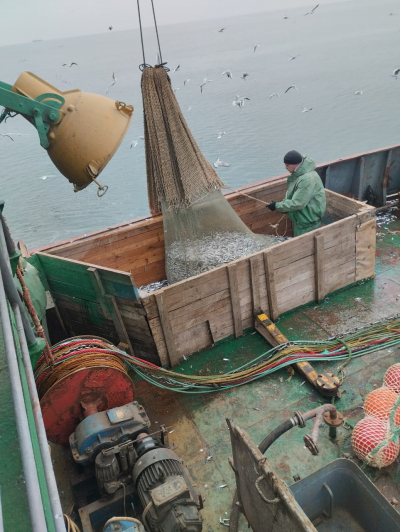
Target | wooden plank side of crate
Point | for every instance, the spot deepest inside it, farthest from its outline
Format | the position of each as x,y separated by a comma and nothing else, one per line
93,295
159,340
319,267
191,340
365,250
207,298
304,288
351,205
135,230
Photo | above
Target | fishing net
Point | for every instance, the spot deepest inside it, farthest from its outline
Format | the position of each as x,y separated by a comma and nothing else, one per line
372,442
380,402
392,378
201,229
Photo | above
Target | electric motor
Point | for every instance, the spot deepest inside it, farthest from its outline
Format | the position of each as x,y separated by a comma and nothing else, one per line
170,500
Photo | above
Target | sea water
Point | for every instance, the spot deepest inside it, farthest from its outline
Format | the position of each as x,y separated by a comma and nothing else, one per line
343,48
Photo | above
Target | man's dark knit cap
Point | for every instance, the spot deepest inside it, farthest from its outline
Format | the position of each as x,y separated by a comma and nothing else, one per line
293,157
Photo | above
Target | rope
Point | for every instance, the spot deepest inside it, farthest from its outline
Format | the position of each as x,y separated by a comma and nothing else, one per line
72,526
274,226
32,312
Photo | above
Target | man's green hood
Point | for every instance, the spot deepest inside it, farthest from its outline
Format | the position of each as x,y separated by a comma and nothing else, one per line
308,165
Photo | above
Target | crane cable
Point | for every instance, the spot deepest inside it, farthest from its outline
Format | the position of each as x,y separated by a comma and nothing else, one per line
144,64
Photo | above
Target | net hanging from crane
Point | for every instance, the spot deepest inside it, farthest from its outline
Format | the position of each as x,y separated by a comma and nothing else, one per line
201,229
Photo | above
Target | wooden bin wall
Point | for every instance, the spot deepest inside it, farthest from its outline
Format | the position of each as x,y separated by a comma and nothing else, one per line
197,312
138,247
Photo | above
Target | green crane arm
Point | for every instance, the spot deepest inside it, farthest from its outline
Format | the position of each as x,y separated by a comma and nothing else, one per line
41,115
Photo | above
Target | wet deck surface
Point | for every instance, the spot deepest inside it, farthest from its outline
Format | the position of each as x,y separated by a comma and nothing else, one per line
198,421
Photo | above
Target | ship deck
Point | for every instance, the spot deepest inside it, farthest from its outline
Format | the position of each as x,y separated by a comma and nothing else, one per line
197,422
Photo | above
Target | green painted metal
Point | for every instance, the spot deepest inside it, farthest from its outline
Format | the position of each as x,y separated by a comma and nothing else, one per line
41,115
14,259
33,434
13,491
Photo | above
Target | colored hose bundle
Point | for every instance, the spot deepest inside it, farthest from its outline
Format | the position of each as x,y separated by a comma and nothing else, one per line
74,353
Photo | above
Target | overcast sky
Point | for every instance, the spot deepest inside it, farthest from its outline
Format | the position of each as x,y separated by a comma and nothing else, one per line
26,20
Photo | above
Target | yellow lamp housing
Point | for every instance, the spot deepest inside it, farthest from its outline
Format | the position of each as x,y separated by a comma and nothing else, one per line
88,133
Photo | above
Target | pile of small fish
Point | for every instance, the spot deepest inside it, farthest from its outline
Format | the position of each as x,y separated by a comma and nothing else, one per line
385,216
186,258
152,287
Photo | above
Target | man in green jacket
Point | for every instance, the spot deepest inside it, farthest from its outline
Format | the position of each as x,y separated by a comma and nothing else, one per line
304,202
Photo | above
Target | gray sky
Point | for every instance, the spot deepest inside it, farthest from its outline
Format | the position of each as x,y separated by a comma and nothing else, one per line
26,20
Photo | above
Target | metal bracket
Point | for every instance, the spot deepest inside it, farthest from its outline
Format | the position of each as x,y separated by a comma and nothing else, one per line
326,383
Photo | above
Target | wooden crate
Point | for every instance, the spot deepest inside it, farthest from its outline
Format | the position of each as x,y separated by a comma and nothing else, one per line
197,312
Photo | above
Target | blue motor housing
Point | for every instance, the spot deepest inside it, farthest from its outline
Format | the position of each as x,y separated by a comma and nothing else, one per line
126,524
105,429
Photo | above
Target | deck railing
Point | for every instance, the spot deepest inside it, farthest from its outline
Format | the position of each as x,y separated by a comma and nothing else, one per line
42,494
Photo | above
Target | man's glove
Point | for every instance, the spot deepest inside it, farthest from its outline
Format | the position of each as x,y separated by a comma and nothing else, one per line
271,206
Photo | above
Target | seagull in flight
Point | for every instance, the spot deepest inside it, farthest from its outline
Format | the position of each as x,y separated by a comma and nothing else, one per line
228,74
255,46
396,72
205,81
221,30
70,65
244,76
176,89
312,11
285,18
274,94
291,87
305,110
7,135
134,143
177,68
219,163
186,81
239,100
292,57
114,81
358,93
46,176
221,134
110,27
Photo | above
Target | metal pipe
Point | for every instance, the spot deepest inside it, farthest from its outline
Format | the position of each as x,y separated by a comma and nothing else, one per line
28,460
13,295
318,413
41,431
7,237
